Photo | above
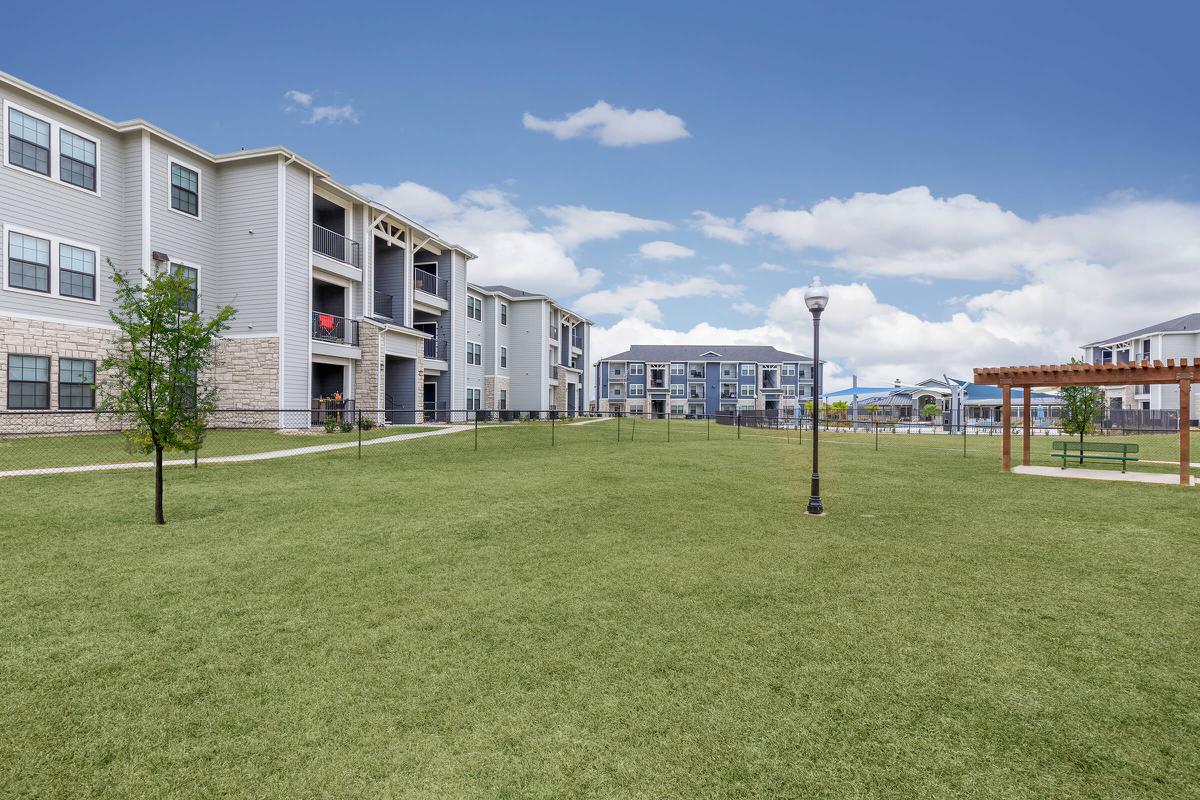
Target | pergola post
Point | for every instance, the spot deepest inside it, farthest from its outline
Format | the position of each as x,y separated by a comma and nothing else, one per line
1006,413
1028,423
1185,431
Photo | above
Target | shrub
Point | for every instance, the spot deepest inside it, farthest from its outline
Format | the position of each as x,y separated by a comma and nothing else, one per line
331,423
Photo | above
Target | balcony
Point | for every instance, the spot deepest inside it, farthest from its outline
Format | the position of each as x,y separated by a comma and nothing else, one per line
554,332
728,394
431,284
437,348
658,383
554,372
576,342
696,393
338,247
334,329
383,305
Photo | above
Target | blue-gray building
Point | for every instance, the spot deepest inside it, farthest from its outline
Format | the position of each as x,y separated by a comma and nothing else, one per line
695,380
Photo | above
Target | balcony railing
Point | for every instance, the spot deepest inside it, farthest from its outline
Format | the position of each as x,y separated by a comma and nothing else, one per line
431,284
658,384
695,394
333,244
436,348
335,329
383,305
554,372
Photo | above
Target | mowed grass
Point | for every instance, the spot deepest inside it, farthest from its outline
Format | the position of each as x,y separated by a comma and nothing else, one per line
643,619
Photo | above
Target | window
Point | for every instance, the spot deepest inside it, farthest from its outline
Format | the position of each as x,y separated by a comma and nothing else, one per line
789,370
615,390
474,308
28,382
504,399
729,370
678,369
677,409
76,378
789,390
28,142
504,357
28,262
192,276
76,160
474,353
638,410
747,390
637,390
637,369
185,189
473,399
76,272
677,390
504,313
747,370
695,371
616,370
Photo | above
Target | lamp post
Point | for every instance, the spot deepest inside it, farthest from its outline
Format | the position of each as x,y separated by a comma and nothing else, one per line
816,297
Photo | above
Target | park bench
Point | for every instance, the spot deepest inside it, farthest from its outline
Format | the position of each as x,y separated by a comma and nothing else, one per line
1095,451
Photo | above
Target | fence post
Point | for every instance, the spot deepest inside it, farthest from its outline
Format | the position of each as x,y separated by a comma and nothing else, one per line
800,429
196,452
618,427
359,415
739,423
964,429
552,415
668,426
708,426
476,431
633,432
876,436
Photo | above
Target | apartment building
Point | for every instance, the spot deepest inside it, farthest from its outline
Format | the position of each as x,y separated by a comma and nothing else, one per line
689,380
1174,338
530,353
341,301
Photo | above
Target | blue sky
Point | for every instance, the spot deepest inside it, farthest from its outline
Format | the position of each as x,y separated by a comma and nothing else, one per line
1056,144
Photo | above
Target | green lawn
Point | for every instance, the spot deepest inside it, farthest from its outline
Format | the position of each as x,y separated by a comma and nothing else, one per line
594,619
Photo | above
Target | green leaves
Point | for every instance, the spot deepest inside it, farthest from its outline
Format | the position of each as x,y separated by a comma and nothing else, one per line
1082,406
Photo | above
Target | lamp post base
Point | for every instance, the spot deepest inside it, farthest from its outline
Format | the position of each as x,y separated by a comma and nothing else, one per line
815,509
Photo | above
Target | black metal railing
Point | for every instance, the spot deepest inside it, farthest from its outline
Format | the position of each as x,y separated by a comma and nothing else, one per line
436,348
383,305
431,284
332,328
335,245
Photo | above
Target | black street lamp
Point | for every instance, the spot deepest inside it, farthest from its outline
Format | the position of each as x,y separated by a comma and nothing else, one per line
816,297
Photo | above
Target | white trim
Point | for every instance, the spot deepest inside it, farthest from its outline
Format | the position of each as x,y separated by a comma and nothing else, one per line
60,320
629,390
502,357
145,259
502,313
199,215
281,262
54,266
199,280
308,259
255,335
55,149
480,346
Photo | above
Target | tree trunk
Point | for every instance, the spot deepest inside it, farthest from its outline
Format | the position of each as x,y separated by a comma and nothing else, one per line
158,486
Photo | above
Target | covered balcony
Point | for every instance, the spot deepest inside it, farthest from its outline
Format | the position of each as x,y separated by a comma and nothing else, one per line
330,322
390,280
657,379
330,236
438,346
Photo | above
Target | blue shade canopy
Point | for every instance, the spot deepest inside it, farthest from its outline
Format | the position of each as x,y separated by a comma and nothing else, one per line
872,391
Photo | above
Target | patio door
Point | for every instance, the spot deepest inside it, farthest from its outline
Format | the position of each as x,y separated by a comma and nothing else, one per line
429,399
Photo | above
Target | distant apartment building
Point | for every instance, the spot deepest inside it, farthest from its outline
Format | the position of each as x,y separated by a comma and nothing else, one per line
1176,338
526,352
340,300
688,380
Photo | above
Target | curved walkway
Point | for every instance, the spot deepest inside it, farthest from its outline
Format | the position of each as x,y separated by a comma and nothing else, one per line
185,462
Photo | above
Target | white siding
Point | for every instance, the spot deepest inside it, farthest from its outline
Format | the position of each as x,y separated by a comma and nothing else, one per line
297,327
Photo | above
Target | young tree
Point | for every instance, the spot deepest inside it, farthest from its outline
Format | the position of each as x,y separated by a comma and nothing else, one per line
931,410
1080,409
157,374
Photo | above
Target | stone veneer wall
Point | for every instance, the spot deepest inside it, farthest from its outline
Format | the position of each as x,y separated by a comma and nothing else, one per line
247,371
492,384
368,371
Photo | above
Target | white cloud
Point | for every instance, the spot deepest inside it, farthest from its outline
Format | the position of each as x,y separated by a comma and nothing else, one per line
744,307
303,101
767,266
575,225
714,227
639,299
612,127
665,251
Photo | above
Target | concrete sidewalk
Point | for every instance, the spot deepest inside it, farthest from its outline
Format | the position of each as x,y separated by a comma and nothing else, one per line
1165,478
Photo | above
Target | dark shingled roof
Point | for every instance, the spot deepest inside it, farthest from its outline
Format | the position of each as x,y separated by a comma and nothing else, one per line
1188,322
510,291
691,352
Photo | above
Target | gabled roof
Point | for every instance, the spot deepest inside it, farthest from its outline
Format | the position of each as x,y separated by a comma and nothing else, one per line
691,352
1188,322
511,293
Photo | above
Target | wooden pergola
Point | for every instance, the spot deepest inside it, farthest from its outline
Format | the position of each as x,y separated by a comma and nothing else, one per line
1178,372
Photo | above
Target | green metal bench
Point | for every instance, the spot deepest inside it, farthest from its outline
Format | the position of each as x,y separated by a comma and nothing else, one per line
1095,451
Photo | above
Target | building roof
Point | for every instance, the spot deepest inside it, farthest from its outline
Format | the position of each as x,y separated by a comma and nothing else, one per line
695,352
520,294
1188,322
516,294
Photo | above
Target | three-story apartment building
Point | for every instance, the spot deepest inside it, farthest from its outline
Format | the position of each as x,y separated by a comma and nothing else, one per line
340,300
531,352
691,380
1175,338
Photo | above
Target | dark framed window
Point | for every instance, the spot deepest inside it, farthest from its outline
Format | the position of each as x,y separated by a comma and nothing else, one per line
504,357
28,142
76,160
504,313
28,382
185,189
28,262
76,383
192,275
474,308
76,272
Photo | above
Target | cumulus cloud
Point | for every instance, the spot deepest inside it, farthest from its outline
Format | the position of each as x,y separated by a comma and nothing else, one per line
639,299
723,228
767,266
574,225
665,251
744,307
303,102
611,126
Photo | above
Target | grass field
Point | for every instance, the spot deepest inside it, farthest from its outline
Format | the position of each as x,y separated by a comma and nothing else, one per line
593,619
